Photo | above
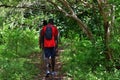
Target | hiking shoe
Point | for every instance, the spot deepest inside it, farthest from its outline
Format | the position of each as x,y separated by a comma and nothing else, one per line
53,73
47,74
49,65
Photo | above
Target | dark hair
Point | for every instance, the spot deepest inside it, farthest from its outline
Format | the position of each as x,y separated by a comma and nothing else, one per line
44,22
51,21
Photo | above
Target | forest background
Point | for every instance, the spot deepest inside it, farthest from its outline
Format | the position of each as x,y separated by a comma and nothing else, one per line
89,34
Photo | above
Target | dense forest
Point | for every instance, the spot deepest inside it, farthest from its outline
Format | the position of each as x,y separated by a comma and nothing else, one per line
89,38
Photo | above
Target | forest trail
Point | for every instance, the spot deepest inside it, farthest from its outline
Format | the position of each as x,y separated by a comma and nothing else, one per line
40,65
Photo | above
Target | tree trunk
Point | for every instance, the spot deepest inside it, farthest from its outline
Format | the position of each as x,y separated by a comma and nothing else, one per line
104,9
107,51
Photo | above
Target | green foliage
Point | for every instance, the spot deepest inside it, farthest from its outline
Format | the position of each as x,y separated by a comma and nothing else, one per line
115,46
83,60
17,69
19,42
10,2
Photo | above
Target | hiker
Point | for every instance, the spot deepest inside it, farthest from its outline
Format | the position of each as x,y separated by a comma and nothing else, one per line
50,33
41,42
41,38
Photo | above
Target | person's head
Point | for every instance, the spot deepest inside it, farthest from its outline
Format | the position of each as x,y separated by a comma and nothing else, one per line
51,21
44,22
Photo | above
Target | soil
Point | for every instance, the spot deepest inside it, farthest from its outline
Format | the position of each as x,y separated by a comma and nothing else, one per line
40,65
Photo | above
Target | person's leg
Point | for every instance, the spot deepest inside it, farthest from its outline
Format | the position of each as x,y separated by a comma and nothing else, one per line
43,61
47,55
53,63
53,59
47,64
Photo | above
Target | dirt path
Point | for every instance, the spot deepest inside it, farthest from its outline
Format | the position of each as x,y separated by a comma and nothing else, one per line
58,66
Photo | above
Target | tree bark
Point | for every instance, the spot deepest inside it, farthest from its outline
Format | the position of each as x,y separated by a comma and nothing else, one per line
107,51
106,16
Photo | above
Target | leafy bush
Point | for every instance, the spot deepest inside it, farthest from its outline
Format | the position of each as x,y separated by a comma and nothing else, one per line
17,69
83,60
19,42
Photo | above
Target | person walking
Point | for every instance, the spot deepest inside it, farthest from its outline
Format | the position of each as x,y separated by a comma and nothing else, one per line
41,38
41,42
49,33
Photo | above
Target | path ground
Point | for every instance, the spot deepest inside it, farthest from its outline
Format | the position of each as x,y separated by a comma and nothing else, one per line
58,66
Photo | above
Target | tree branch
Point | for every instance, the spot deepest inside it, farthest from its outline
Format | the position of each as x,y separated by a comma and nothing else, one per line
73,16
59,8
66,4
9,6
101,10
